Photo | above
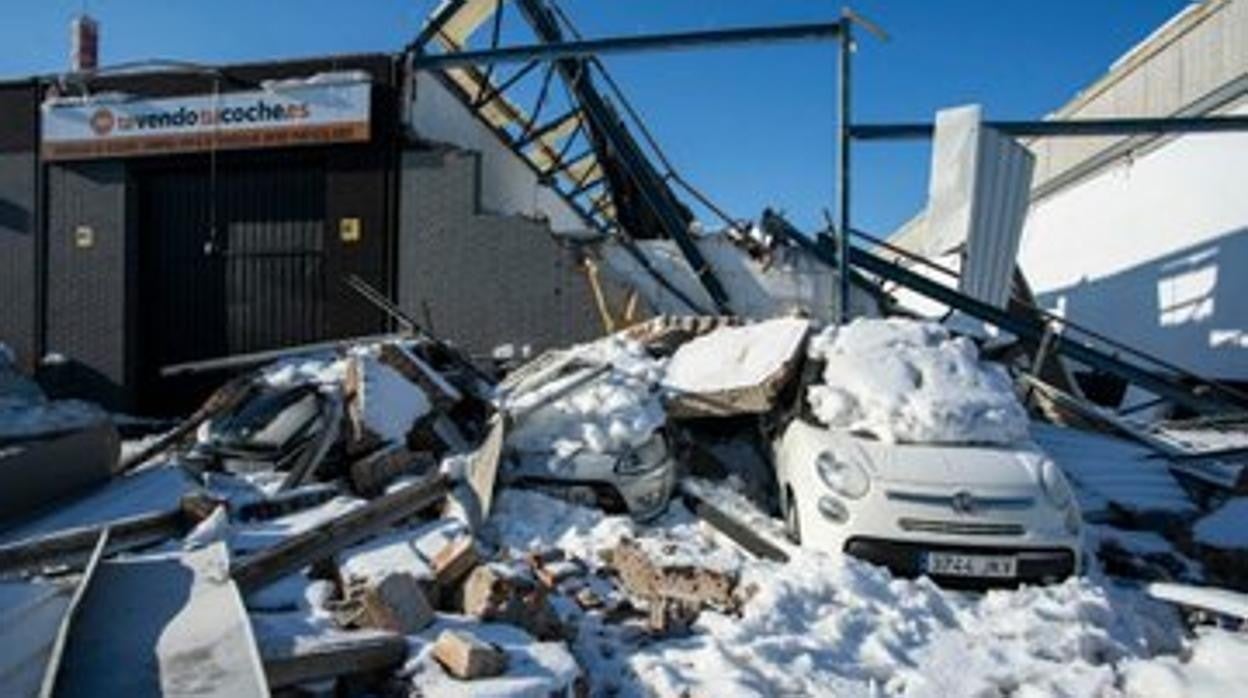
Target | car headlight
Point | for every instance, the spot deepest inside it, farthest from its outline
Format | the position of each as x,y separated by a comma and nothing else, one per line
644,458
1054,485
846,479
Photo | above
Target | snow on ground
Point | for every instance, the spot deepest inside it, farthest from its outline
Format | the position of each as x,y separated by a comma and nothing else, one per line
912,381
617,410
1225,528
825,625
735,357
1214,665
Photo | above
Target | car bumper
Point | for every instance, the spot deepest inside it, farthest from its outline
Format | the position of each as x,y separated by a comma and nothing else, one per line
1035,565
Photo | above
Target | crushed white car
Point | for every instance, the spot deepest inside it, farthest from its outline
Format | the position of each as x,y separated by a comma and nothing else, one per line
911,453
588,426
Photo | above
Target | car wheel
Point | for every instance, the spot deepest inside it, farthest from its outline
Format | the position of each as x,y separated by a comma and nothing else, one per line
791,524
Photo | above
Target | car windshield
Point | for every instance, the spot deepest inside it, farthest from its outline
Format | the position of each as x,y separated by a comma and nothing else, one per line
906,382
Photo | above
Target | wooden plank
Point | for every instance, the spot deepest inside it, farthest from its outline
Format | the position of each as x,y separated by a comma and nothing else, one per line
483,467
308,659
226,397
325,540
440,392
73,547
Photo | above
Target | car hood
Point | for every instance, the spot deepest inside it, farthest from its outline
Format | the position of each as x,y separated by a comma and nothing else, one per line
982,467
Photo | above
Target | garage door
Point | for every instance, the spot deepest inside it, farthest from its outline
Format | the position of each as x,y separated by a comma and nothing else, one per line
232,260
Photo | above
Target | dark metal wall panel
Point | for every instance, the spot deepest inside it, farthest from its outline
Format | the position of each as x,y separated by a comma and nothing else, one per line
478,279
88,286
17,254
18,235
18,116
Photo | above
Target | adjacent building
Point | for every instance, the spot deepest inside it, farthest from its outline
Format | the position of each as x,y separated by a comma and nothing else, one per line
182,212
1146,238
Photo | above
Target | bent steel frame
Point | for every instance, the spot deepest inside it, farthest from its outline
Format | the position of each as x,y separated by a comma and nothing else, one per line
637,199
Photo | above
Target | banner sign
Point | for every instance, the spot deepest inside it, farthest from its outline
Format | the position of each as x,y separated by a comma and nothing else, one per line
299,113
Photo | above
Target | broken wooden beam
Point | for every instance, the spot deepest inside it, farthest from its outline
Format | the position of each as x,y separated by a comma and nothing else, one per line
337,654
370,475
440,392
225,398
72,547
299,551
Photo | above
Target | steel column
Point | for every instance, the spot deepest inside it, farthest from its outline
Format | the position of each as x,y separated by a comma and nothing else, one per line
846,47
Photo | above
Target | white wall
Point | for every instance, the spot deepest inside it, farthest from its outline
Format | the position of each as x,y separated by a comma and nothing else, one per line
1154,251
508,184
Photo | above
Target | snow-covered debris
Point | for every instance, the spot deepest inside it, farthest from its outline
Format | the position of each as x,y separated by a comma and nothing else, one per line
1225,528
735,357
615,411
912,381
734,369
826,625
533,669
1214,666
388,404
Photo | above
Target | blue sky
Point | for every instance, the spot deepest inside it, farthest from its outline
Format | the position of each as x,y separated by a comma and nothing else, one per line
752,126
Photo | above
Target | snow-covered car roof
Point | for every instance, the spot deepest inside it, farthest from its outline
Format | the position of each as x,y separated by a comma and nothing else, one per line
905,381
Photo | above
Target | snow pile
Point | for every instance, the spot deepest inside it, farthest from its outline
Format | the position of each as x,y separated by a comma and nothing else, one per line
913,382
1215,666
735,357
1224,528
825,625
615,411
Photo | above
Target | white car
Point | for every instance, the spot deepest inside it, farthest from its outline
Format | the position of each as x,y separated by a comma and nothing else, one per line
963,514
589,431
636,481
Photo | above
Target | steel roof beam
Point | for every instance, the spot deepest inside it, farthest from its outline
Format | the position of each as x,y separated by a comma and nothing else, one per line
820,31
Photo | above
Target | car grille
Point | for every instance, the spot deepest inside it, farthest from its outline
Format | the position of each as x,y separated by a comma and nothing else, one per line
946,500
959,528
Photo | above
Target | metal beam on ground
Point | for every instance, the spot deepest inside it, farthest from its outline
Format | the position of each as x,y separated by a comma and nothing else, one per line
556,50
1065,128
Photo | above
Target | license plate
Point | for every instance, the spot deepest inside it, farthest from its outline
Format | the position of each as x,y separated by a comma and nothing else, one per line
958,565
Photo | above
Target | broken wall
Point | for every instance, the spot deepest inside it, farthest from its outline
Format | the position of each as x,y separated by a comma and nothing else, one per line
478,278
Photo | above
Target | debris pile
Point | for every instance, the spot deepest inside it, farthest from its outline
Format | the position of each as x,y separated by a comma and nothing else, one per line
386,520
